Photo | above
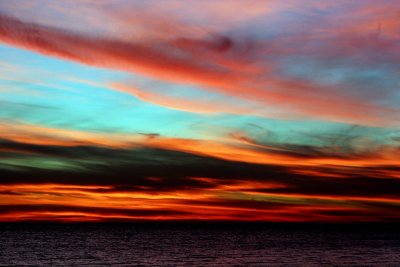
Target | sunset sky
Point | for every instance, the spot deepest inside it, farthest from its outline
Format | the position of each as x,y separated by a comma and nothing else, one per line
255,110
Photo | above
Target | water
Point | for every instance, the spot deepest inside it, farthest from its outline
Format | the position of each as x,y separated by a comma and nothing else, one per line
180,244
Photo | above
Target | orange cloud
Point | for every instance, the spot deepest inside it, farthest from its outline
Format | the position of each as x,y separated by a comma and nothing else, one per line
196,106
233,150
41,135
53,202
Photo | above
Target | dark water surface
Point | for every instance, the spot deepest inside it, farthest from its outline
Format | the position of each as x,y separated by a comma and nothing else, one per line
188,244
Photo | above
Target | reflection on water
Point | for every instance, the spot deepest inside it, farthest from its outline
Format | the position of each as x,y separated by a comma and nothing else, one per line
180,244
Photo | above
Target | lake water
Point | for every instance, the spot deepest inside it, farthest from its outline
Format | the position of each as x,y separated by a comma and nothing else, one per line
199,244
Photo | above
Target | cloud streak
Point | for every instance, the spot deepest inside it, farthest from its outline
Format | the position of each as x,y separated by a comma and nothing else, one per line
229,65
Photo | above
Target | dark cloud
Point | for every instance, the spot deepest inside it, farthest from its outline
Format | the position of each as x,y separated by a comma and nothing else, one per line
157,170
9,192
346,142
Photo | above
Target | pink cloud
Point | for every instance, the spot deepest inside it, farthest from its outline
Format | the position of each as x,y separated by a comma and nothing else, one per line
184,52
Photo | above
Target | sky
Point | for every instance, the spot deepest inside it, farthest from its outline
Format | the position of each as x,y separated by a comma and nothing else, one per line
256,110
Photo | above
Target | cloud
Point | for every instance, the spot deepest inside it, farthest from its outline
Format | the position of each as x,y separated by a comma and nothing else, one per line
130,56
232,65
184,104
26,212
298,60
167,184
156,170
237,148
